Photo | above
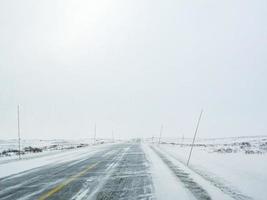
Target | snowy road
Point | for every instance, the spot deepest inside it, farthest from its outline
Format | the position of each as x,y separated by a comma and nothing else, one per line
119,171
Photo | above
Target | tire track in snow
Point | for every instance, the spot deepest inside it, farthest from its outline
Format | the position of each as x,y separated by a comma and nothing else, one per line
185,178
215,181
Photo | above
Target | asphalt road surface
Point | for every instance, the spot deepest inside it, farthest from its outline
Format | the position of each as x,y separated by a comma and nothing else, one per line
118,172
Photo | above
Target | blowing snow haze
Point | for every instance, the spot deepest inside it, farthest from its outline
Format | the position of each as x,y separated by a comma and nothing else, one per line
88,74
130,66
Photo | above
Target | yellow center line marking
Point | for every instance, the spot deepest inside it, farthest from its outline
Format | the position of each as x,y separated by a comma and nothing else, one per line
66,182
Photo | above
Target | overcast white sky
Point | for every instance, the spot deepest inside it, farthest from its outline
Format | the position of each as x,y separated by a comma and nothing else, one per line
130,65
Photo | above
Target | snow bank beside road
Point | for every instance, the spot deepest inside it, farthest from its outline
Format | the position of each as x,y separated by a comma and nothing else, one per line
245,173
166,185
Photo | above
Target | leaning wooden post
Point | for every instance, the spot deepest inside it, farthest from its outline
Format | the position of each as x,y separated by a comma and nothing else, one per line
194,137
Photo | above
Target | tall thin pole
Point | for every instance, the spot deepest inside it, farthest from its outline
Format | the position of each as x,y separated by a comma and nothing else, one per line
18,130
95,134
182,140
160,133
113,136
198,122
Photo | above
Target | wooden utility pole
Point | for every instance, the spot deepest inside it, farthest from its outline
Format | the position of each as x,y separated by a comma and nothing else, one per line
160,133
198,122
18,130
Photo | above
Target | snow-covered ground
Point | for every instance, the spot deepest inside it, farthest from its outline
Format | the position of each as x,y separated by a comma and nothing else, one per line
233,171
35,147
165,183
248,145
211,174
57,143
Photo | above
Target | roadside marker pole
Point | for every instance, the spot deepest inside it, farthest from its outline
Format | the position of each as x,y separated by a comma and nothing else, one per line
18,130
194,137
182,141
95,135
160,133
